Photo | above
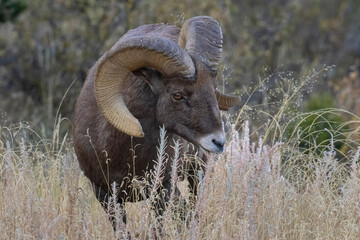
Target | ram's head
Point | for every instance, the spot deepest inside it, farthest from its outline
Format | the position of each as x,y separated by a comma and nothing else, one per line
181,75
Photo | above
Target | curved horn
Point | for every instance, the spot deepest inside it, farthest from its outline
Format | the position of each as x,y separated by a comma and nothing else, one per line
226,101
115,66
202,36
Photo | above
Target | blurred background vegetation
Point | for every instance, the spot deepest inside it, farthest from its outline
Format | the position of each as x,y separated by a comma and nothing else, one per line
46,46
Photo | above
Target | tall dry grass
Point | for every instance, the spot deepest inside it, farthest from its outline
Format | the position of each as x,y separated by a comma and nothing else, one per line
259,188
246,193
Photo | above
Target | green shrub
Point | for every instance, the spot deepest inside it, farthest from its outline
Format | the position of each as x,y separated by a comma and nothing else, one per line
320,127
11,9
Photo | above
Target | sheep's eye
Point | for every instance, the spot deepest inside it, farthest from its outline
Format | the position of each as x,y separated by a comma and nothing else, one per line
177,96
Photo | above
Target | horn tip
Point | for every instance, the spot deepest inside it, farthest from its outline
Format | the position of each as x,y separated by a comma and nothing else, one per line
138,132
140,135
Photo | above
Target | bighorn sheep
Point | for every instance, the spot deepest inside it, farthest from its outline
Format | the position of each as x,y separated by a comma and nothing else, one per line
155,75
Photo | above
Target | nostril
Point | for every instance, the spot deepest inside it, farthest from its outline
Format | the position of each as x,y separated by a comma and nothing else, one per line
213,142
218,143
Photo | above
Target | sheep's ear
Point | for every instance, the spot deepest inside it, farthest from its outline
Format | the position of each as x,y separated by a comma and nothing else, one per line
226,101
152,77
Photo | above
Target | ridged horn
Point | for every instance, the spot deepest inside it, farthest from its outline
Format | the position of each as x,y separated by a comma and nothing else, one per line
202,36
115,66
226,101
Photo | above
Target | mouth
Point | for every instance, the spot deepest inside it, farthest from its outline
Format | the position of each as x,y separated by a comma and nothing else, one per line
213,142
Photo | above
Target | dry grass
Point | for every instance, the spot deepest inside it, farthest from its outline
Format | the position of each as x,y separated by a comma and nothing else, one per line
259,188
243,195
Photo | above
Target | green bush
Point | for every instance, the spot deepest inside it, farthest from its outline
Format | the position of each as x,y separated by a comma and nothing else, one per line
320,127
11,9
